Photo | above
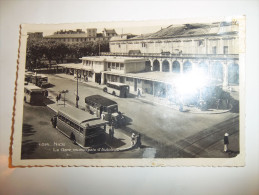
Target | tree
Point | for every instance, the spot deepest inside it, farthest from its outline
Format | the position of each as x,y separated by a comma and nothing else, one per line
35,51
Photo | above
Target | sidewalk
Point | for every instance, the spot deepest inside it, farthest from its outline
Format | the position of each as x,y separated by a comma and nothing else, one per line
152,99
120,142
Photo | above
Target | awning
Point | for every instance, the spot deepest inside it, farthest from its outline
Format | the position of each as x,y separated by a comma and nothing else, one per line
163,77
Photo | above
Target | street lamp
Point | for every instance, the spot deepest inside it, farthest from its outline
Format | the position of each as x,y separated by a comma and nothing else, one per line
77,97
64,91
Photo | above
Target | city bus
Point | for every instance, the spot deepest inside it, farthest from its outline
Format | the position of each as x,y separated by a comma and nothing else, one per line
40,80
28,76
104,108
117,89
34,94
81,127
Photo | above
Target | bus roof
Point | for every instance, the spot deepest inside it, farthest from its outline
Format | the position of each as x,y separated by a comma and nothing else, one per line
118,84
33,88
80,116
98,99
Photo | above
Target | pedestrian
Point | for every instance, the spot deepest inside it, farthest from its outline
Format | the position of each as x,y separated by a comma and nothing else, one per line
102,116
59,96
181,107
226,142
133,139
139,140
57,99
139,93
54,121
112,131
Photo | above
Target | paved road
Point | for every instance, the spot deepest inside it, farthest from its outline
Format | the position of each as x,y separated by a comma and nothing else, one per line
165,132
161,127
41,141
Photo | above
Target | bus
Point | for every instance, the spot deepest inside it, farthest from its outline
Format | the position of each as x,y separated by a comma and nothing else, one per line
34,94
104,108
28,76
40,80
80,127
117,89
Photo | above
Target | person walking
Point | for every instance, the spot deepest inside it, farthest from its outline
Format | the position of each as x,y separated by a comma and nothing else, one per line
139,93
57,99
133,139
226,142
112,131
139,140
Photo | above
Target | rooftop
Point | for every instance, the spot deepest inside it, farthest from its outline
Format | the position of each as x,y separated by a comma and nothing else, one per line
113,59
80,116
102,101
187,30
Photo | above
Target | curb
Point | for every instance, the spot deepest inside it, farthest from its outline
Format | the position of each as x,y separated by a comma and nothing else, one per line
85,148
154,102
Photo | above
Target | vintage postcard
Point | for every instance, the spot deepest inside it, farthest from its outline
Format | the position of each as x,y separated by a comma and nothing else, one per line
142,93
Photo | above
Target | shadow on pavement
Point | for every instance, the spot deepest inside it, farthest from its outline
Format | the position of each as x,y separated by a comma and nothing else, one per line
48,101
28,147
114,142
50,86
232,153
27,130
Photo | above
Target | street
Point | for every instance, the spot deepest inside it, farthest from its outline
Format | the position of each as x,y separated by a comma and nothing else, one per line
166,133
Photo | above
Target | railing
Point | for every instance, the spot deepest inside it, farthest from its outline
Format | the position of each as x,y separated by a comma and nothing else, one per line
235,56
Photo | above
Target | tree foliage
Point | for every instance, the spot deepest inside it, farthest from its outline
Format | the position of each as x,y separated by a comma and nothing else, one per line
41,51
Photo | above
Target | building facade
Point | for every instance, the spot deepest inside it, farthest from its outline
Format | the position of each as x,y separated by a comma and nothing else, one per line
79,35
178,49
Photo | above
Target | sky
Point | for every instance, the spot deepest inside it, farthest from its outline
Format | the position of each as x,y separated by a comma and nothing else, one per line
133,27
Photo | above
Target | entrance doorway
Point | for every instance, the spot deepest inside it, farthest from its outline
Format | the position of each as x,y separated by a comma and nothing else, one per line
98,77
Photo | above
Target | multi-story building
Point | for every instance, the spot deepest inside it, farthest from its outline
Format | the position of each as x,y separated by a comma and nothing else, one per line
178,49
156,63
79,35
101,69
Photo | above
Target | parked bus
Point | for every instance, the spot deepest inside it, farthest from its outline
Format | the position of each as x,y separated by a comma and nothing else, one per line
33,94
28,76
117,89
81,127
104,108
43,81
40,80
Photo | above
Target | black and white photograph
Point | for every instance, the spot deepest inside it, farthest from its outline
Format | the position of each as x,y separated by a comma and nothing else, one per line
131,93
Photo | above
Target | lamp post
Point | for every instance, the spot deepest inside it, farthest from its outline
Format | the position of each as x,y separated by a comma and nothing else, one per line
64,91
77,97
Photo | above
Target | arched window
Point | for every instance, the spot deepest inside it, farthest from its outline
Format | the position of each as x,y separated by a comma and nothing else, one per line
165,66
156,65
187,66
217,71
176,67
233,74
